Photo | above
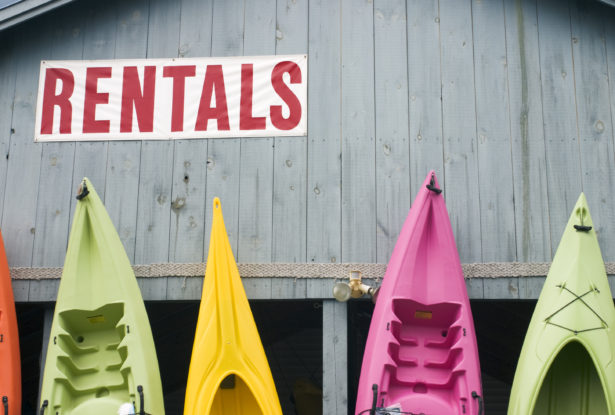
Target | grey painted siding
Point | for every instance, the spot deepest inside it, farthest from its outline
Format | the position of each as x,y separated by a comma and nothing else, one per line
510,101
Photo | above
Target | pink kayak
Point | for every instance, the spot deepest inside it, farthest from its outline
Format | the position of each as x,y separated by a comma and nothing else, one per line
421,355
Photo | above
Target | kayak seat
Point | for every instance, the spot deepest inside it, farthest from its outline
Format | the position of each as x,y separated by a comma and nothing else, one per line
90,361
423,345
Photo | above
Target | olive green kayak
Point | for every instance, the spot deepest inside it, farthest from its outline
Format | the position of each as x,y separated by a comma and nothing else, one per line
101,354
566,365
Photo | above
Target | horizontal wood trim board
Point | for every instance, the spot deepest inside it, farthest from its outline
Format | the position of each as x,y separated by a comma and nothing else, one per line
309,271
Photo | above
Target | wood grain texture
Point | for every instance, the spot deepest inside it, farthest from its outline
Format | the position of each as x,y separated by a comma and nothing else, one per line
190,164
324,127
156,167
58,159
223,156
98,43
391,109
559,114
256,161
289,233
358,133
425,92
594,117
188,201
154,203
196,26
124,158
459,127
498,232
7,94
334,357
531,202
22,185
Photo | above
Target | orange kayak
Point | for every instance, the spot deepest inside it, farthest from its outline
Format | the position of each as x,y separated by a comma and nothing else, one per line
10,381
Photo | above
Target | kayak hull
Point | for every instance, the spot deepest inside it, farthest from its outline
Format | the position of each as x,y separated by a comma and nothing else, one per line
421,352
101,352
10,381
229,373
566,362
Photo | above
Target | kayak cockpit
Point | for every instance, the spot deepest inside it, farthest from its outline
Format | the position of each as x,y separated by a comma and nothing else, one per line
572,385
426,354
234,396
91,359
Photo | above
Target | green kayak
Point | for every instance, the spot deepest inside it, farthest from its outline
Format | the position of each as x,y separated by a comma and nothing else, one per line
566,365
101,358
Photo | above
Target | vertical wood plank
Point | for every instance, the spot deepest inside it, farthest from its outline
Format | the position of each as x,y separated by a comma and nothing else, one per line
335,357
559,113
98,43
21,288
256,163
594,118
42,291
493,129
56,178
324,123
186,288
255,200
153,222
7,94
392,147
289,288
608,17
425,93
188,201
358,133
475,287
124,158
196,27
190,163
223,155
289,233
459,127
22,185
501,288
156,168
527,134
530,287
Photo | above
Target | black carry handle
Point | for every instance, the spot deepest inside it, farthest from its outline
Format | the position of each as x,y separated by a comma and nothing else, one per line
583,228
45,403
432,186
375,401
480,402
83,191
5,402
142,404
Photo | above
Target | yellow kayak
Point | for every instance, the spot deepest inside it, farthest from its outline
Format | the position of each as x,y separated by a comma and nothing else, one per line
229,373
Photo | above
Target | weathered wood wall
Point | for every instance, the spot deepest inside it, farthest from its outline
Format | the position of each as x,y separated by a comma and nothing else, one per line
510,101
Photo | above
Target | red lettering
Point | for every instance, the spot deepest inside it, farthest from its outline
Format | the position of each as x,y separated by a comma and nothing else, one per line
142,100
179,75
50,100
93,98
277,119
246,120
214,79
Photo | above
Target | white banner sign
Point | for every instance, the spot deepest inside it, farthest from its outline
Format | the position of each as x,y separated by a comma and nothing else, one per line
263,96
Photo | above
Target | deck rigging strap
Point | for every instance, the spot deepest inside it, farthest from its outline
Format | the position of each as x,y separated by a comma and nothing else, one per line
5,402
577,298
